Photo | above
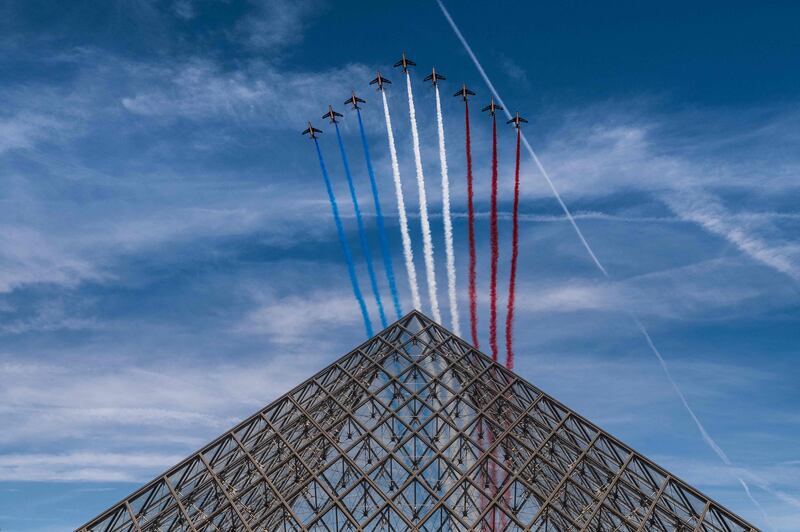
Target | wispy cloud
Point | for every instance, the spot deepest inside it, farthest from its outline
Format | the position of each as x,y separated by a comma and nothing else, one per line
706,210
28,256
593,157
25,128
709,289
289,319
260,93
276,24
82,466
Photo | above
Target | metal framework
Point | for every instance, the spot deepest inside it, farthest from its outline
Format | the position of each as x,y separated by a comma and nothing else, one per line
416,430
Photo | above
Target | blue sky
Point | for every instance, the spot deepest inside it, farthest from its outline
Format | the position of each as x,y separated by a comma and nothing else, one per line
168,262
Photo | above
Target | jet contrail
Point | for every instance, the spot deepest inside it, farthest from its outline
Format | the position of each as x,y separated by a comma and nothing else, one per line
448,224
408,252
387,257
706,437
512,279
362,233
343,241
427,241
493,237
524,139
473,296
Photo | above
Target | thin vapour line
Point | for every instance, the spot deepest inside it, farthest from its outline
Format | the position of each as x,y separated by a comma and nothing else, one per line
706,437
524,140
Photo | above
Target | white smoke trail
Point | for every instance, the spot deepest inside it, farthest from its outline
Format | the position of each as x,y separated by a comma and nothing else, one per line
427,241
448,224
705,435
408,252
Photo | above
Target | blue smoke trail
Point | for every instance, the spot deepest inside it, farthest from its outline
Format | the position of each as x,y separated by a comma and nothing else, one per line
362,234
343,240
387,258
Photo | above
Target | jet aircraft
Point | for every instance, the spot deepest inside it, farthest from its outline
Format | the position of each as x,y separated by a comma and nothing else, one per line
354,101
464,92
311,131
405,63
492,108
380,81
434,77
517,120
331,115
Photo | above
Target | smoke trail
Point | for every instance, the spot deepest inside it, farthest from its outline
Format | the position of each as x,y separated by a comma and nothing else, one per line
387,257
408,252
427,242
528,147
512,281
448,224
706,437
362,233
494,245
473,298
343,241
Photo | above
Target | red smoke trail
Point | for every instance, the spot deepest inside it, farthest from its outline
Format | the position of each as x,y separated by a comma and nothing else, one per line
512,282
473,298
495,251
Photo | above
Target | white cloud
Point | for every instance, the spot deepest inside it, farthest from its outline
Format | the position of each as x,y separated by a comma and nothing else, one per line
258,93
52,315
624,152
184,9
276,24
158,404
25,128
288,320
29,256
704,289
706,210
83,466
513,70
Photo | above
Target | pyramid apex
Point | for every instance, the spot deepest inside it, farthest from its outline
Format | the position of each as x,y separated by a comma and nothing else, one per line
416,430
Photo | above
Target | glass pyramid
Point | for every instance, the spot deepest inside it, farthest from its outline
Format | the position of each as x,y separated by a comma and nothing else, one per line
416,430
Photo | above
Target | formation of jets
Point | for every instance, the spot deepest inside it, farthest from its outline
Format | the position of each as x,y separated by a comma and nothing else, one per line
434,77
